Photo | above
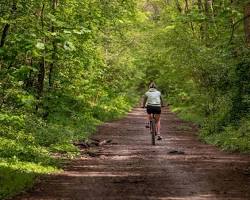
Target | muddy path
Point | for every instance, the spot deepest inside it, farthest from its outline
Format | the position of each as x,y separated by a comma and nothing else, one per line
179,167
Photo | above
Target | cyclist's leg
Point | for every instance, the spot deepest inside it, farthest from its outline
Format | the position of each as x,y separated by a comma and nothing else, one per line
149,117
158,123
157,111
147,121
158,126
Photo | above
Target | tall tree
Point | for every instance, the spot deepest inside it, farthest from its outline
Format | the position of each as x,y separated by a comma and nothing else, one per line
7,25
247,23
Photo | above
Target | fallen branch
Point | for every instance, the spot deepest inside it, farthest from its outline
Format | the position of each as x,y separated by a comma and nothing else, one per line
104,142
93,143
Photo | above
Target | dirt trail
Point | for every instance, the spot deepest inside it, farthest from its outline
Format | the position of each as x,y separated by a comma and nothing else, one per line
179,167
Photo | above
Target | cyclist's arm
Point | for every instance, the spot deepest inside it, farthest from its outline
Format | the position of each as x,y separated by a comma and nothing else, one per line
162,105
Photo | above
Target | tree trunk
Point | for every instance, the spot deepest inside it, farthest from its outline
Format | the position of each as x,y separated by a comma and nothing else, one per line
29,81
200,7
247,23
206,24
7,26
41,76
4,34
41,73
52,65
178,6
187,11
199,3
210,10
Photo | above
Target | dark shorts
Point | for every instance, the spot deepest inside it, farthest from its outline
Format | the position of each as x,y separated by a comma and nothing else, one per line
153,109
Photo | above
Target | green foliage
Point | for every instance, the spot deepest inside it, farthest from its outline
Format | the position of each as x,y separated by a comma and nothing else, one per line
64,68
67,67
232,138
188,113
200,64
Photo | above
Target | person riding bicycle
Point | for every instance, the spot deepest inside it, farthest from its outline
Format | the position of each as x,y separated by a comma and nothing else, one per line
154,102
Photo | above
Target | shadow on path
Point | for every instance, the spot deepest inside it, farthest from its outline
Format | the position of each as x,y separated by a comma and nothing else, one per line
179,167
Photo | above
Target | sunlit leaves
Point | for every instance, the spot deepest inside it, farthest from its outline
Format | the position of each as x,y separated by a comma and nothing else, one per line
40,45
69,46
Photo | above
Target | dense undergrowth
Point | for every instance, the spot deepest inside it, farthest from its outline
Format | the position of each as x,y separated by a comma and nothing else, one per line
28,143
233,138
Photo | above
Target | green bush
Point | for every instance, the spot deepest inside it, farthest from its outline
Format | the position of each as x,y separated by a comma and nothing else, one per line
232,138
27,141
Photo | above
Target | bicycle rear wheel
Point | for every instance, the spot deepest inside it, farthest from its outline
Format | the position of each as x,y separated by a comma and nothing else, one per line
153,130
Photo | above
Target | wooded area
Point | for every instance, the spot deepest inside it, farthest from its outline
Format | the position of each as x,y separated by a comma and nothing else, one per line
199,53
68,65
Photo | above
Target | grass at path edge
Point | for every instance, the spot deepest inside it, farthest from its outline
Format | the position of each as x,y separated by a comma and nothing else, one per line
28,144
231,138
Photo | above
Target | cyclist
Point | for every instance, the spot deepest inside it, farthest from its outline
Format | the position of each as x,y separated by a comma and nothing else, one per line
154,102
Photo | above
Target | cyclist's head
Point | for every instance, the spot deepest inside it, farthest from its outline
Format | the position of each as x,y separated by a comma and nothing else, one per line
152,85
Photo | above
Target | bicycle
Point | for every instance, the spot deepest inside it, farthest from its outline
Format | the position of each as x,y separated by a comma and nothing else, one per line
152,128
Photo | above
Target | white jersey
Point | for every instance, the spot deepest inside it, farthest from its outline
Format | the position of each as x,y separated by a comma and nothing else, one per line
153,97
